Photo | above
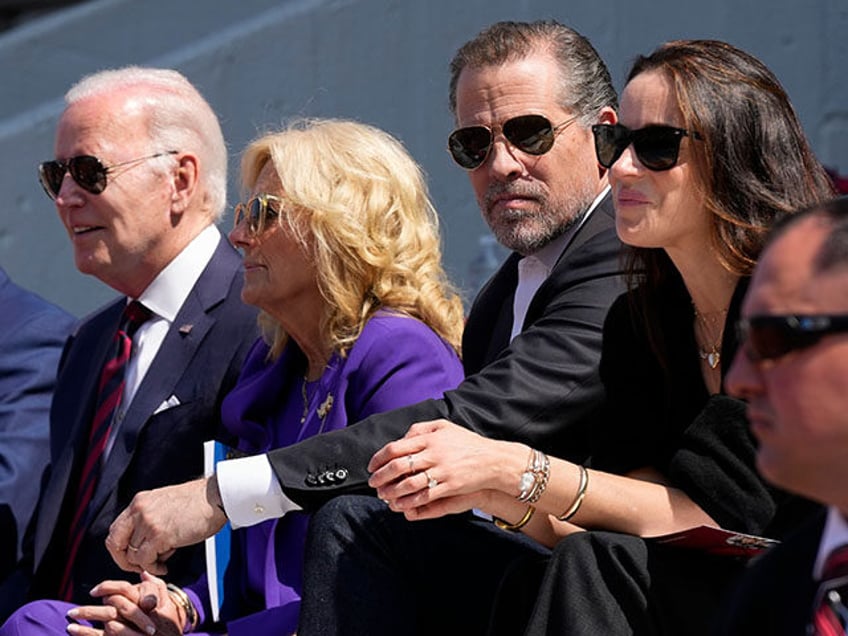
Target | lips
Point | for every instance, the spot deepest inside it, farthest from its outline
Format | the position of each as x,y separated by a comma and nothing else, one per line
627,196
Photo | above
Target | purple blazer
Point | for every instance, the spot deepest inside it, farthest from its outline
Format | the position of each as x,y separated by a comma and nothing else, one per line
396,361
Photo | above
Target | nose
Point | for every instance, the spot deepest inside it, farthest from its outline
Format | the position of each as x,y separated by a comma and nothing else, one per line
69,192
239,235
504,160
626,165
744,379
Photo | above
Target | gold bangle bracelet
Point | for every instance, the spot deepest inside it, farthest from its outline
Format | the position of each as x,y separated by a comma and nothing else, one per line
515,527
180,598
578,499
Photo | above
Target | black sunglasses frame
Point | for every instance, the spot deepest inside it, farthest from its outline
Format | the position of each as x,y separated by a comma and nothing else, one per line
657,146
51,174
256,211
768,337
537,141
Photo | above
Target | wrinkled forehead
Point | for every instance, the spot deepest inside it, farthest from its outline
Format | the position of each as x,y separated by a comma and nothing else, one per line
785,279
491,94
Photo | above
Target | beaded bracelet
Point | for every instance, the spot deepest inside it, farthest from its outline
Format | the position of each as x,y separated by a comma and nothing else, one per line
515,527
578,499
181,598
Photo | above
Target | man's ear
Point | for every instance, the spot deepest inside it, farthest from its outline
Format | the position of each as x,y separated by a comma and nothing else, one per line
185,179
607,116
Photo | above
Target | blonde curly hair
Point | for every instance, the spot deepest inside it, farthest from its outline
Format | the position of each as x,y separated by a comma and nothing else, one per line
358,204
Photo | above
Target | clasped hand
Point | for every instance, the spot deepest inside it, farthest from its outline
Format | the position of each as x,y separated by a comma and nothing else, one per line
438,468
141,608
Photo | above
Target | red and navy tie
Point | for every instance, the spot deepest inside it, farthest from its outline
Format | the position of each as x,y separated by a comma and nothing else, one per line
831,611
109,394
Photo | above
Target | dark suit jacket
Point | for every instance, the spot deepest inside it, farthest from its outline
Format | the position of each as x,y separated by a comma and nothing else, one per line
32,332
198,362
776,595
542,388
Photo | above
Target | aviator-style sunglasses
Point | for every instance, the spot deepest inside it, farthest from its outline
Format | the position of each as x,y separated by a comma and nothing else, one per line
657,147
533,134
256,211
770,337
88,172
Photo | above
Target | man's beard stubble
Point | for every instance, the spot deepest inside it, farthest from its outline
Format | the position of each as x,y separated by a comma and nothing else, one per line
527,231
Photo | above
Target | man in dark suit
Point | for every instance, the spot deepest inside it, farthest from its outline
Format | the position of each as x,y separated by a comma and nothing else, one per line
139,182
32,332
793,372
532,341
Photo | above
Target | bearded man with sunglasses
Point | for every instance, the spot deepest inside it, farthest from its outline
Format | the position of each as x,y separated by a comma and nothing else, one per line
792,369
139,181
525,96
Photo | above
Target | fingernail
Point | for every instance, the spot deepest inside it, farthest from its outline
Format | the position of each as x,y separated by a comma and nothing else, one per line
73,628
94,590
150,630
73,613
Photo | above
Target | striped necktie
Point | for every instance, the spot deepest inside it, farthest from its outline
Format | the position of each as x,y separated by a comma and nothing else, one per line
109,392
830,617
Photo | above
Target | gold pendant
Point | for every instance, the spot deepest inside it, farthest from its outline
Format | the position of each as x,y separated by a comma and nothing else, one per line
713,358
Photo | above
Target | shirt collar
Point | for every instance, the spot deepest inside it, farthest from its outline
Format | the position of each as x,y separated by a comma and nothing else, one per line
835,534
550,253
168,291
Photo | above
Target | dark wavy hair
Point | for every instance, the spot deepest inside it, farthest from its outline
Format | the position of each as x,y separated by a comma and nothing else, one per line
754,161
585,84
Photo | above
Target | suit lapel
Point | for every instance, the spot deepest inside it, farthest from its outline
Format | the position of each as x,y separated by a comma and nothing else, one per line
180,345
601,219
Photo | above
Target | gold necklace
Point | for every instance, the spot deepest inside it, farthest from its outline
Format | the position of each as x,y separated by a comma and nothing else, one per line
711,355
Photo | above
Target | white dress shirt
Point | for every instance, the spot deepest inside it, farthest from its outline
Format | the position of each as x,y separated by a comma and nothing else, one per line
163,297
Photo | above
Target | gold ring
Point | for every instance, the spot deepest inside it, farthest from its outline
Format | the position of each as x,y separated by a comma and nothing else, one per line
132,548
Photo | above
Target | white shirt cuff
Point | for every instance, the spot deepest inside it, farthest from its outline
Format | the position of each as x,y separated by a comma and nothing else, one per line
250,491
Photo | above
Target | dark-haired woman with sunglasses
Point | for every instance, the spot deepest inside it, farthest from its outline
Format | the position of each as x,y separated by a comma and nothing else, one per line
341,254
708,153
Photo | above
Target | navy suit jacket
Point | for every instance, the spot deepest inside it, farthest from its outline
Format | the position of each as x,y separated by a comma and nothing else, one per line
776,595
198,362
542,388
32,332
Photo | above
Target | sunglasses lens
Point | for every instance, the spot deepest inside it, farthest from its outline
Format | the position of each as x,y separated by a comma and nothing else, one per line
770,337
255,215
51,174
532,134
657,146
89,173
610,142
470,146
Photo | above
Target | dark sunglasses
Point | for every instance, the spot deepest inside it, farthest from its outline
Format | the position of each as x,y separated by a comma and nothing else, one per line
657,147
89,172
256,211
770,337
533,134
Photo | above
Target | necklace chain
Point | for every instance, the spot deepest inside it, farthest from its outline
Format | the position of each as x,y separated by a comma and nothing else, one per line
710,354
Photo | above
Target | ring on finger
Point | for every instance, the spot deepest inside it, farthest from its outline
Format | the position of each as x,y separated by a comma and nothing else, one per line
411,464
132,548
431,483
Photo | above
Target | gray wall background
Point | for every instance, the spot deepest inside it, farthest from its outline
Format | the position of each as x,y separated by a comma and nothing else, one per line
384,62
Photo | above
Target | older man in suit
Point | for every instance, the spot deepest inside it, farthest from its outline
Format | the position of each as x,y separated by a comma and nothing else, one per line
525,96
32,332
792,370
139,181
